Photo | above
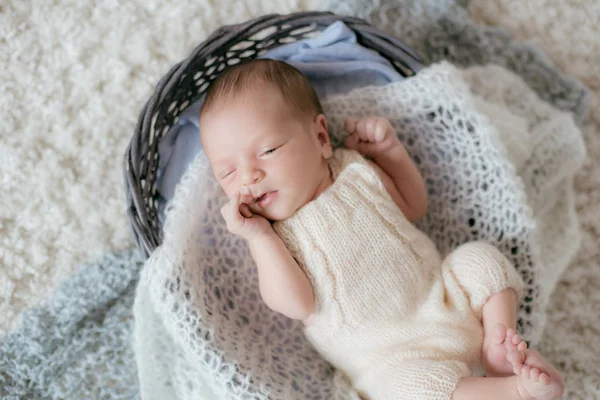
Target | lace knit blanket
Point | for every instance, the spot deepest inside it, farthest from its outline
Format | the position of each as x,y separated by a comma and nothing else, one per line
498,164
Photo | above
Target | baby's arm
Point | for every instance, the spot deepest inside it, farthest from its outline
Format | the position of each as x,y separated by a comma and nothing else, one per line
375,138
283,285
403,182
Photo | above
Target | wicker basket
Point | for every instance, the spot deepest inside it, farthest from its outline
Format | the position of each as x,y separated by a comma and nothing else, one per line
186,82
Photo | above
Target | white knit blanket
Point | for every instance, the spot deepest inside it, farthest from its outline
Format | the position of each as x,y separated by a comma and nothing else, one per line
567,32
491,153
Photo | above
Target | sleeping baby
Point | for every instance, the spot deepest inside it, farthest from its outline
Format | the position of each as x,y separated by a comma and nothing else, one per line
332,235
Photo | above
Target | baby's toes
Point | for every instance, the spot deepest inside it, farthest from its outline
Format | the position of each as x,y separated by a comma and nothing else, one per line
517,369
534,374
510,346
510,333
526,371
508,342
544,378
522,346
516,358
516,339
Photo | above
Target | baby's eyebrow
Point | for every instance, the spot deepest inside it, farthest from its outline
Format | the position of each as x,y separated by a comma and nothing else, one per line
222,169
221,161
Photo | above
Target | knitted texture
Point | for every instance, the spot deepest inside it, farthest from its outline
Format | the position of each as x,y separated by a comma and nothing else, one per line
567,32
198,309
388,311
545,148
201,329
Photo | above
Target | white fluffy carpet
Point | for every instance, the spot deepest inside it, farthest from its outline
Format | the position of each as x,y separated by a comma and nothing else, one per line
73,76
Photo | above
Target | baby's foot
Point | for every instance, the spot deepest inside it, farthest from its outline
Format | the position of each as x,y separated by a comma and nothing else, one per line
536,378
495,348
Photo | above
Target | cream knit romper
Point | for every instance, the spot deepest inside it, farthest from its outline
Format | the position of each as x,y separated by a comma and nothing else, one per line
398,320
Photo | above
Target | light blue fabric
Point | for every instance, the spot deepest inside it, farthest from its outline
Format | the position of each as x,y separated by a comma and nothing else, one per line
334,63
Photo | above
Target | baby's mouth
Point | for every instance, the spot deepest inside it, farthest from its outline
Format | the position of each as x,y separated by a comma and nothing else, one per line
265,198
261,197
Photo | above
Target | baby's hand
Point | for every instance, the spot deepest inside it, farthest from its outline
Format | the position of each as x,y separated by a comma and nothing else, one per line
370,136
241,221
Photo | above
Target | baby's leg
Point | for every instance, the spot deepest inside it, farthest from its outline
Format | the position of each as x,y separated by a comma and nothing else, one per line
491,284
394,378
499,318
473,388
450,379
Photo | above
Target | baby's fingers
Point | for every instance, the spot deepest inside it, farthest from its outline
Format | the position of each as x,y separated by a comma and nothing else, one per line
372,129
245,210
352,140
245,199
382,128
364,127
350,125
358,133
230,211
368,149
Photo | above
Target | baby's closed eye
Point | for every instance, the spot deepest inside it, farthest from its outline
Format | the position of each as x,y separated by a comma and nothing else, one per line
270,150
227,173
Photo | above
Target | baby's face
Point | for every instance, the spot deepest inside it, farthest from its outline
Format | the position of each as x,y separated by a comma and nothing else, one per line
257,142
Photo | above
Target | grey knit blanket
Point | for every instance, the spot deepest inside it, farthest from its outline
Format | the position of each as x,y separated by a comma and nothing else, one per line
77,344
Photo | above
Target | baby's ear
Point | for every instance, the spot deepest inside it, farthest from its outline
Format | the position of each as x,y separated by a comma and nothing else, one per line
322,134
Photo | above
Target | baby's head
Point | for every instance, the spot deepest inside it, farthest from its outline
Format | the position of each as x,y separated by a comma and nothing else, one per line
262,127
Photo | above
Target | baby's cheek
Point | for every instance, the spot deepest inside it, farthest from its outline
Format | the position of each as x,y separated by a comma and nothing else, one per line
228,189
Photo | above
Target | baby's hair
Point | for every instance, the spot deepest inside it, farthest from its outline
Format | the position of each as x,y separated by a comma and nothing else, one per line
293,85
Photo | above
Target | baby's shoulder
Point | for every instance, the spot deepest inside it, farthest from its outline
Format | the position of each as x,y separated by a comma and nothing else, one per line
342,158
345,155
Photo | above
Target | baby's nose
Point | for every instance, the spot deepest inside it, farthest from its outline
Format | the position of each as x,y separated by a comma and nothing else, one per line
252,175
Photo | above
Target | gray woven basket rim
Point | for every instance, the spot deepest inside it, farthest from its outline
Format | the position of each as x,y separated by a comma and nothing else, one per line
157,116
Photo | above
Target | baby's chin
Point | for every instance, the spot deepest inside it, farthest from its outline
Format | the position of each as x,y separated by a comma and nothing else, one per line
271,215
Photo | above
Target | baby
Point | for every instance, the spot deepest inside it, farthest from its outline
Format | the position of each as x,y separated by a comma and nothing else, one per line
332,236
